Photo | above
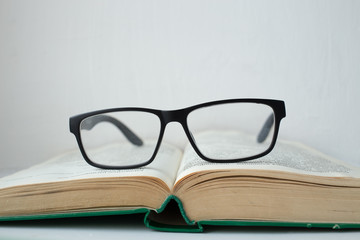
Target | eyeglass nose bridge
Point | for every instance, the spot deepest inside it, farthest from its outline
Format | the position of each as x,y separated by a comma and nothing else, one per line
174,116
180,117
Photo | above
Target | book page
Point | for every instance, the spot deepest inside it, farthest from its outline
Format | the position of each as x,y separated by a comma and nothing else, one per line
286,156
72,166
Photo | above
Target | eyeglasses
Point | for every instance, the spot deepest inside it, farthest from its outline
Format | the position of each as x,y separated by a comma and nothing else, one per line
223,131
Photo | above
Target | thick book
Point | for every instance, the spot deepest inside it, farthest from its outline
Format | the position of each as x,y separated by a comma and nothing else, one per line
294,185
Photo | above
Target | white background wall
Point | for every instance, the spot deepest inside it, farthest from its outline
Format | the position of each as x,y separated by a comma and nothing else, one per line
61,58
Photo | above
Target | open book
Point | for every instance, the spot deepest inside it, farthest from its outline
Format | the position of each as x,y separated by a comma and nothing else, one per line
294,185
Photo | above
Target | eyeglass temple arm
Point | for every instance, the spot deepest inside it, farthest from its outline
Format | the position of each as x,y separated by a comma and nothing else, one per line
89,123
265,130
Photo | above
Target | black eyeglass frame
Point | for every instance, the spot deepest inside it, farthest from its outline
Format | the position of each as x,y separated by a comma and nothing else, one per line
180,116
